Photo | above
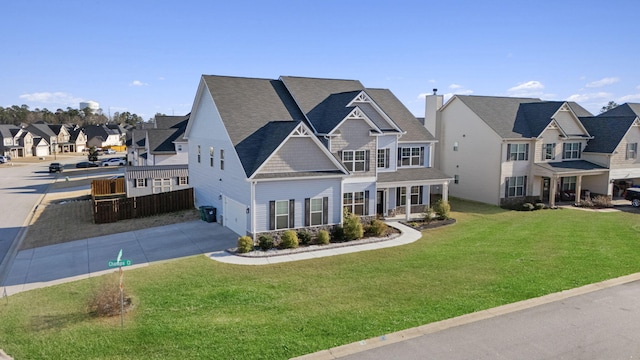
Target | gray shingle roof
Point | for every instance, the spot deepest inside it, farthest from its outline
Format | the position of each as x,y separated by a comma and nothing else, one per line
607,132
499,113
310,92
412,175
400,115
574,166
257,147
626,109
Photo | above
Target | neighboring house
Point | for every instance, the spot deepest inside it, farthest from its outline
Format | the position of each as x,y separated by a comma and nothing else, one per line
63,139
147,180
15,141
160,142
502,150
102,136
77,138
296,152
44,132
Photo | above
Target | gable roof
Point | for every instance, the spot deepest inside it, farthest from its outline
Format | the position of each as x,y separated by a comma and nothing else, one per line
41,130
608,131
411,127
257,147
8,130
171,121
626,109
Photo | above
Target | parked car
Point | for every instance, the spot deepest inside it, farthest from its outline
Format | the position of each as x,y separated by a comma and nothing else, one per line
109,151
55,167
113,162
4,159
86,164
633,195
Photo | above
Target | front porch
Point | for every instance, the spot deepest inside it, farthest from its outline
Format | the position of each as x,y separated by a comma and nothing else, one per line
562,181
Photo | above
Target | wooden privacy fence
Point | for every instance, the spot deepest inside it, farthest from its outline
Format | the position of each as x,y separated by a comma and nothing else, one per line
103,187
112,210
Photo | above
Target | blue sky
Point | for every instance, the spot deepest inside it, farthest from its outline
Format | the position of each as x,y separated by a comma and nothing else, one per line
146,56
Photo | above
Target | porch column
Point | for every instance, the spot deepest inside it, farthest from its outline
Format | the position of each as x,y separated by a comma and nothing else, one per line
407,202
578,188
445,191
552,191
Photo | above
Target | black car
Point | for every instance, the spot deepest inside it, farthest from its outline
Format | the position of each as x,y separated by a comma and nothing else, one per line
633,195
55,167
86,164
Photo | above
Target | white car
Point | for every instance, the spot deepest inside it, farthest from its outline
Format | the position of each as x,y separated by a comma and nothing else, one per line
109,151
113,162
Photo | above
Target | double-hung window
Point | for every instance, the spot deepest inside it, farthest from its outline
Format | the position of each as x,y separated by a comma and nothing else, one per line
383,158
316,211
161,185
517,152
568,183
411,156
355,202
549,152
415,196
515,186
571,150
632,151
211,156
281,214
356,160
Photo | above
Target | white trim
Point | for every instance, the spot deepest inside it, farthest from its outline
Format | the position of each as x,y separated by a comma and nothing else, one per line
365,98
356,114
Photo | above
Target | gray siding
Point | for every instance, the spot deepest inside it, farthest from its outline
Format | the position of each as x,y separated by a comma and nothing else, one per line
298,154
354,135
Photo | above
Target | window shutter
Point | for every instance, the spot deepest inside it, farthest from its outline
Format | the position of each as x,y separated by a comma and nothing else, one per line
272,215
524,187
387,151
340,155
422,156
178,180
307,212
564,150
420,195
366,202
398,197
526,151
626,155
325,210
399,155
508,152
366,160
506,187
146,182
580,150
292,212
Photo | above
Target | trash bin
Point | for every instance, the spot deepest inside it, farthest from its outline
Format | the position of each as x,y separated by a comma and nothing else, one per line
202,215
209,213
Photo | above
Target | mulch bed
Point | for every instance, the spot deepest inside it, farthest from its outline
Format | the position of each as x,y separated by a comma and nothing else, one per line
421,225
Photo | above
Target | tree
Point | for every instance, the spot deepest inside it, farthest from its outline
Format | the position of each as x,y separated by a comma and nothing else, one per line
610,105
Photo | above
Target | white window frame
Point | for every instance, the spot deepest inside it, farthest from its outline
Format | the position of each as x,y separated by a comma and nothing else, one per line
632,151
569,183
279,216
571,150
355,160
161,185
383,158
182,180
415,193
549,151
410,156
516,186
221,159
316,208
140,183
354,201
518,152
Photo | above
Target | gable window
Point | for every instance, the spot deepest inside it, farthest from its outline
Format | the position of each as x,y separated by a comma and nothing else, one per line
356,160
515,186
198,153
221,159
161,185
549,152
281,214
356,202
411,156
316,211
517,152
211,156
632,151
571,150
383,158
183,180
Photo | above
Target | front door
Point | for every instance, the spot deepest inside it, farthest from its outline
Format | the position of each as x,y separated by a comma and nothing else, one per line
546,185
380,202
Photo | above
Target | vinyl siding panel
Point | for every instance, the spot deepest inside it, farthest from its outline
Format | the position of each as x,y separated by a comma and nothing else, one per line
569,123
298,154
354,135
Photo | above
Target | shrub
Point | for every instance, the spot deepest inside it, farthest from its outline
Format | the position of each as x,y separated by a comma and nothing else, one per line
289,240
540,206
265,242
527,207
105,299
428,215
337,234
323,237
442,209
602,201
352,227
245,244
304,237
377,228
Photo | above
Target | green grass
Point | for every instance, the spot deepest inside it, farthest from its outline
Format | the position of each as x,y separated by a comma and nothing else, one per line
196,308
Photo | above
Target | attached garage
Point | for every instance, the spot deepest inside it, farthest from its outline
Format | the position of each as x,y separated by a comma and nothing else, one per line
234,216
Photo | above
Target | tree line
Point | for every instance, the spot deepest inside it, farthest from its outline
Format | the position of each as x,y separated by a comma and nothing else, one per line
18,115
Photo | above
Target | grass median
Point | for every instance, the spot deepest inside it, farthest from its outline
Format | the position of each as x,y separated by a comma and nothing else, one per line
196,308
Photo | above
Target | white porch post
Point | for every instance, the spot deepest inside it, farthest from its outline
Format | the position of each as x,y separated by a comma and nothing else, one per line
407,202
445,191
552,191
578,188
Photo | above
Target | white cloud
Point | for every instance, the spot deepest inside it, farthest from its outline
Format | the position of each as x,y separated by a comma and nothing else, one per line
138,83
589,97
51,98
531,88
629,98
454,86
603,82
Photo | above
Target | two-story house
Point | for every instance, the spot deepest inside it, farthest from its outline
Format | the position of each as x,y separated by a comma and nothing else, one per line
504,149
16,141
296,152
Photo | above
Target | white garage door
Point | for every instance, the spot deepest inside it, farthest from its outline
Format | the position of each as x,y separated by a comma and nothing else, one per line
235,216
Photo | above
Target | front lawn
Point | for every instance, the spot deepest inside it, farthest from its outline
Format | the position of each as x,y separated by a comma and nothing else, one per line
196,308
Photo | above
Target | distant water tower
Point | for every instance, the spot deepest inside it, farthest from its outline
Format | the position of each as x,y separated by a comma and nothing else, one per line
92,105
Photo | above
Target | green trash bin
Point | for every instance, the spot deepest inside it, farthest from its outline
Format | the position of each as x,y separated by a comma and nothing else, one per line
209,213
202,214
